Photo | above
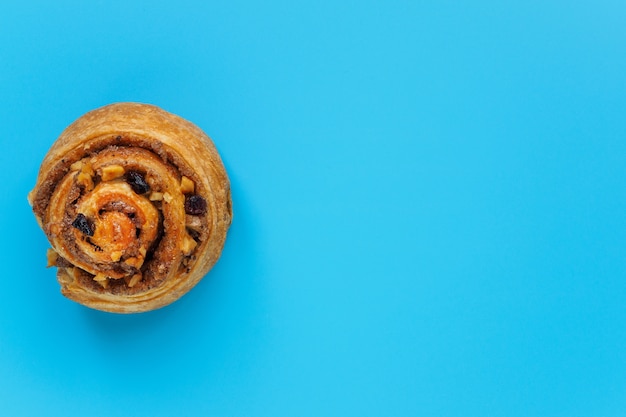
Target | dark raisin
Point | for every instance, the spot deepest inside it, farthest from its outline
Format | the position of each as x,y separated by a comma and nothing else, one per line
137,182
194,204
118,138
82,224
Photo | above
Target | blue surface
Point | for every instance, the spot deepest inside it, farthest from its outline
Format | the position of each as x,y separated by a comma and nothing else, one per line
429,208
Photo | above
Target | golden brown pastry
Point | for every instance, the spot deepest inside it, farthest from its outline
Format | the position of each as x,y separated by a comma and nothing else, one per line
136,204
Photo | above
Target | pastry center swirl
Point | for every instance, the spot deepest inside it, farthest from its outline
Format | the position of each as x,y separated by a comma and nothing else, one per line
124,225
114,232
119,213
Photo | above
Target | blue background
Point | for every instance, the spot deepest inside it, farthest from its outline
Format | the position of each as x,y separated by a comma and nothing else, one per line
429,208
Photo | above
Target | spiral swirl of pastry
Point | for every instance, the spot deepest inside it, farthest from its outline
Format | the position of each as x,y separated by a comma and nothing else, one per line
135,202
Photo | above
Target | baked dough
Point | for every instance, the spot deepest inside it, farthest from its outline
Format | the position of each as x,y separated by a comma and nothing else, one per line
136,204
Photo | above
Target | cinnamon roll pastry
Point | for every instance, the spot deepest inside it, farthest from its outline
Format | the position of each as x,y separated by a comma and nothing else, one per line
136,203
